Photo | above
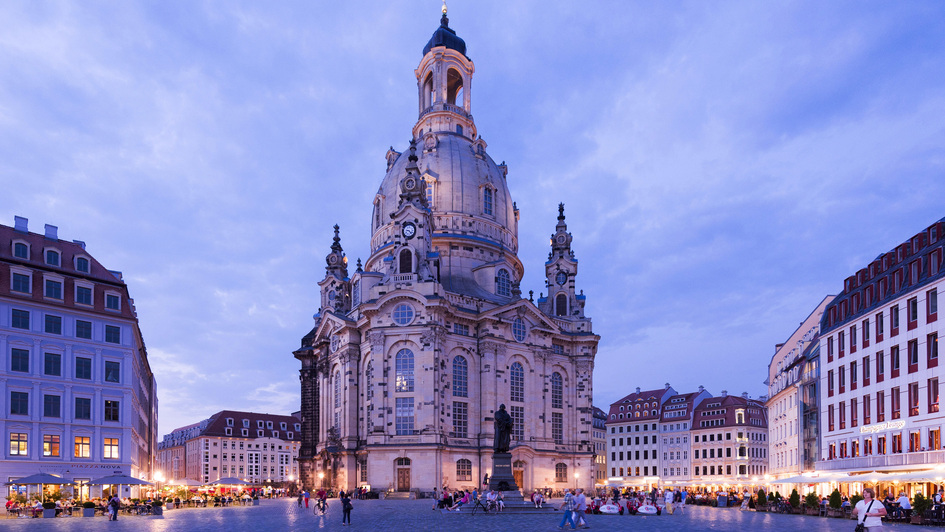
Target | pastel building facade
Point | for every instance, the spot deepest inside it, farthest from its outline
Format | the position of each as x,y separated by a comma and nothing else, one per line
880,372
729,440
633,434
675,426
77,395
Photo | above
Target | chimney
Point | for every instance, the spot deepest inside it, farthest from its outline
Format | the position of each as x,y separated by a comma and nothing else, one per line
638,389
80,243
724,393
701,389
52,232
778,346
667,386
21,224
744,395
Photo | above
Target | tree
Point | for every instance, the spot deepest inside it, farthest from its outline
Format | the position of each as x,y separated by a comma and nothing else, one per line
761,497
836,499
795,499
812,500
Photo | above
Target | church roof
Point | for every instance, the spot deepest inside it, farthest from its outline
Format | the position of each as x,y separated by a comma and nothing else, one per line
445,36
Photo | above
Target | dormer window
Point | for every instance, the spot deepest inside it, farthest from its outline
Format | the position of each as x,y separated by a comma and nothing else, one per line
282,425
259,423
83,294
503,284
298,426
269,424
246,423
245,433
260,433
487,201
21,280
82,264
21,250
229,431
289,435
229,422
112,301
52,257
275,434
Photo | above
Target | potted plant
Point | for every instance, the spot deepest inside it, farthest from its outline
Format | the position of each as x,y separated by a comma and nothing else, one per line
157,507
795,500
920,504
813,504
88,509
761,504
49,509
834,503
169,502
255,500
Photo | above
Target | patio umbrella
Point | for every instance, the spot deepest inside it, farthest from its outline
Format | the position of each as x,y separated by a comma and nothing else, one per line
39,479
229,481
119,480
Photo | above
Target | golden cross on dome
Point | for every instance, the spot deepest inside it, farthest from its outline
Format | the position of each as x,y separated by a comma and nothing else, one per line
444,7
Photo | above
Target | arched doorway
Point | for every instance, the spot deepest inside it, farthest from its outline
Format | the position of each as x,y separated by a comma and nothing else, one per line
402,467
518,473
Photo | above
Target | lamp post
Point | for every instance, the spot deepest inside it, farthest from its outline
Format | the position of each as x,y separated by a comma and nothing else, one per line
321,479
577,482
159,478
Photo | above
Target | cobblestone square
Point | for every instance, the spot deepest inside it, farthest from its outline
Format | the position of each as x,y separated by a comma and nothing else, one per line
283,515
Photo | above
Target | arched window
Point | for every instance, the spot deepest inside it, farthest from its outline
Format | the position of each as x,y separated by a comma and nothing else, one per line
561,472
636,414
406,261
517,383
561,305
404,370
454,87
356,293
487,201
519,331
337,389
429,190
460,377
463,469
428,91
369,380
557,390
20,250
503,285
402,462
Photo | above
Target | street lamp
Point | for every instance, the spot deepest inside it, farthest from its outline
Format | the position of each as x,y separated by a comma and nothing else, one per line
577,482
159,478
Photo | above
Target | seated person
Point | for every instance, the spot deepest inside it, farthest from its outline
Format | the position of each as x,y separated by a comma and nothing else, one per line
462,500
905,509
500,501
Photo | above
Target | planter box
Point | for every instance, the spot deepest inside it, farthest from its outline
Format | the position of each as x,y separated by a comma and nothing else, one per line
51,512
88,512
813,511
834,512
255,502
157,510
761,508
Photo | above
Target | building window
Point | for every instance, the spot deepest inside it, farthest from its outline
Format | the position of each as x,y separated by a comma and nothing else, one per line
460,377
52,364
503,284
356,294
933,397
894,319
403,314
460,419
21,283
83,368
561,305
53,324
557,427
52,257
463,470
517,413
487,197
83,446
20,403
519,331
82,264
112,302
404,416
83,295
21,319
880,406
517,383
894,398
83,329
561,472
111,410
406,261
83,408
21,251
50,445
369,377
53,289
111,448
18,444
51,405
20,360
557,390
113,334
913,399
112,371
932,302
459,328
932,346
404,371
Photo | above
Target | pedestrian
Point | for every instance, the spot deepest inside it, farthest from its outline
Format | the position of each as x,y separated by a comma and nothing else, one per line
436,497
307,495
568,507
346,509
872,510
668,496
300,499
114,504
580,506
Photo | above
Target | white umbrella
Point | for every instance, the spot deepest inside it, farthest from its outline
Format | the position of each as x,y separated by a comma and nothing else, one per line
119,480
229,481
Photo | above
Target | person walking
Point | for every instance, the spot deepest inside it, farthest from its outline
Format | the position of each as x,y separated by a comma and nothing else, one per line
346,509
114,504
568,507
301,497
668,496
872,511
306,495
580,506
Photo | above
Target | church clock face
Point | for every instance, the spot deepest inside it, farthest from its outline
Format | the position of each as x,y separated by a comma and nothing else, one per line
409,230
561,278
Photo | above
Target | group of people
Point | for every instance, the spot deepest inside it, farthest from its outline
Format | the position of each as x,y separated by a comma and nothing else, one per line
575,507
453,501
321,503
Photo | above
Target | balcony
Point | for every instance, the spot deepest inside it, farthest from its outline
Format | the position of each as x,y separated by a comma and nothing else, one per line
868,463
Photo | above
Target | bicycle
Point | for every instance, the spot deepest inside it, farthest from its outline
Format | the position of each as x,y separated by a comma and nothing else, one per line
489,506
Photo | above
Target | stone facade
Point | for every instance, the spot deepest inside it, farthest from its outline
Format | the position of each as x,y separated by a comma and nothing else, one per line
412,354
729,441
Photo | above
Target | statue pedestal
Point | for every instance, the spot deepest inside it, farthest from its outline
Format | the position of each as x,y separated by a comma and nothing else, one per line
503,480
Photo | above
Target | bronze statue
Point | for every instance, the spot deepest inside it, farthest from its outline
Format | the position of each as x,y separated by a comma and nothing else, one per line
503,430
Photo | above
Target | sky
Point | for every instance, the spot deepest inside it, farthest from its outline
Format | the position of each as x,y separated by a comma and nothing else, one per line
724,165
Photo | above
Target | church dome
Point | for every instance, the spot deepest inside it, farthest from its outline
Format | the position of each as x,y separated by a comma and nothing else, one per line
466,192
445,36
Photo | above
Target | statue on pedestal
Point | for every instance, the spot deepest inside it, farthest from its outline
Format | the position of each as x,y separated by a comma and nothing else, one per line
503,430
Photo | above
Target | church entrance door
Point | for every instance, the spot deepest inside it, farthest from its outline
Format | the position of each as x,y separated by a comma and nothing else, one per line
518,473
403,474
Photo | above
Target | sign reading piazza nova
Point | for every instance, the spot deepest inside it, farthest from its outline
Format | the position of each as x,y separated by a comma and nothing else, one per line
880,427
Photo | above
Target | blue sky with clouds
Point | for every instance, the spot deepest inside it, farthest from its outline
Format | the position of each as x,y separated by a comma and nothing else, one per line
724,164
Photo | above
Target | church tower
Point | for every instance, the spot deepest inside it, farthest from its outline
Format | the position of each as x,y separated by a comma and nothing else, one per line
410,357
